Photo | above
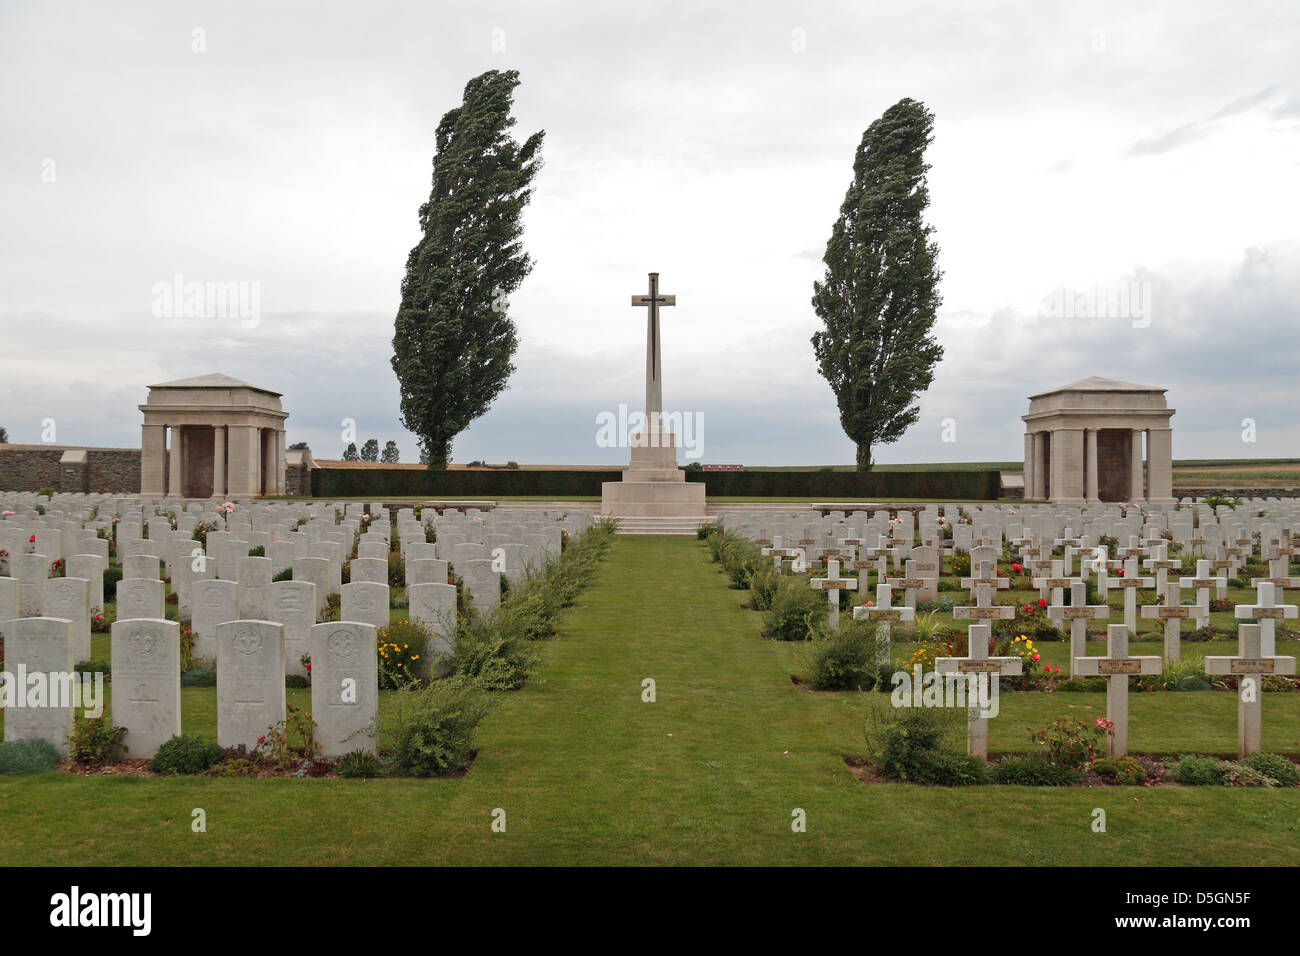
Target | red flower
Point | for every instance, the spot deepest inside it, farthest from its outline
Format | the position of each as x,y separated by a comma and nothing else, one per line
1042,602
308,666
1017,568
32,539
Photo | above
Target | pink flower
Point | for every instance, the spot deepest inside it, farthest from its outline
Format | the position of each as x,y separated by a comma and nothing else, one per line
1034,658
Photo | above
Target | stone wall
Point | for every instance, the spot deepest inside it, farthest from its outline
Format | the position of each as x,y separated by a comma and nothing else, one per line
32,467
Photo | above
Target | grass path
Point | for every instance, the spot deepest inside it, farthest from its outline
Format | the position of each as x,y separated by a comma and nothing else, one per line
709,773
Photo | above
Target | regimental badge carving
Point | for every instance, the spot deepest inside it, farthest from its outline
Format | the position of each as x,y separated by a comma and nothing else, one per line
366,599
138,594
342,645
63,595
248,642
142,642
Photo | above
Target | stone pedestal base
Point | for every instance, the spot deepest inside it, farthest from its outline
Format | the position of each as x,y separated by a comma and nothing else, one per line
653,485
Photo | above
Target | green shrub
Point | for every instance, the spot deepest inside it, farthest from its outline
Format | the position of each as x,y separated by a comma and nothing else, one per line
96,742
1197,771
1241,775
1032,771
257,552
959,564
762,588
797,611
295,681
112,574
359,763
431,731
285,575
921,745
20,758
1122,770
1274,766
186,754
488,658
847,660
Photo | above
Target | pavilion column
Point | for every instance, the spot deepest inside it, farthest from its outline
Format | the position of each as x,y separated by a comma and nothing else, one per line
1137,493
1030,466
245,452
279,461
267,485
153,458
1067,466
219,461
174,462
1090,465
1042,447
1160,465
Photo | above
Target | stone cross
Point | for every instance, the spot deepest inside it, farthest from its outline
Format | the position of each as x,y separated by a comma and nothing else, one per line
776,552
1069,543
1116,667
1057,583
910,585
1172,613
1078,612
1160,563
833,584
884,613
1203,583
1266,611
1249,664
985,574
978,662
984,608
1130,583
653,302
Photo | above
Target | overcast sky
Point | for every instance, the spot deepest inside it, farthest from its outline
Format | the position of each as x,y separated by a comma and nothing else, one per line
1084,147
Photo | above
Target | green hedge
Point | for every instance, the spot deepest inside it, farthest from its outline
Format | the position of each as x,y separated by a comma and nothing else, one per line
848,485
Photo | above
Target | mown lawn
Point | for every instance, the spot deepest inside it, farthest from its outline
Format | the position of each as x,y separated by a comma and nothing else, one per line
710,773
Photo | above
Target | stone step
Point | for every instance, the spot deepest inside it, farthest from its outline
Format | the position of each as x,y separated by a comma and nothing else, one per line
640,526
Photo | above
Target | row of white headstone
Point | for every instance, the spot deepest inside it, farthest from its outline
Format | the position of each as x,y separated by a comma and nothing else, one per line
258,630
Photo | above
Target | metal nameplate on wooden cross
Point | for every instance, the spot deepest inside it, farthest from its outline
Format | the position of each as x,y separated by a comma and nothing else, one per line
979,667
1223,564
1076,613
1162,565
1167,613
1205,582
926,567
1127,583
1269,613
906,583
862,565
1105,667
990,613
887,614
830,551
831,585
1057,582
1240,666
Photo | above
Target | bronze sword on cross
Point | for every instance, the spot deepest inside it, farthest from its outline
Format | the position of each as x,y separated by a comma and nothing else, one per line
653,385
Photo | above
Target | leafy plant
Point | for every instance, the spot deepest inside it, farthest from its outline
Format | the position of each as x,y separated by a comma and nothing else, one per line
401,647
921,745
1196,771
1071,743
20,758
1034,770
96,742
185,754
1243,775
1274,766
431,731
359,763
1125,771
846,660
796,613
288,740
